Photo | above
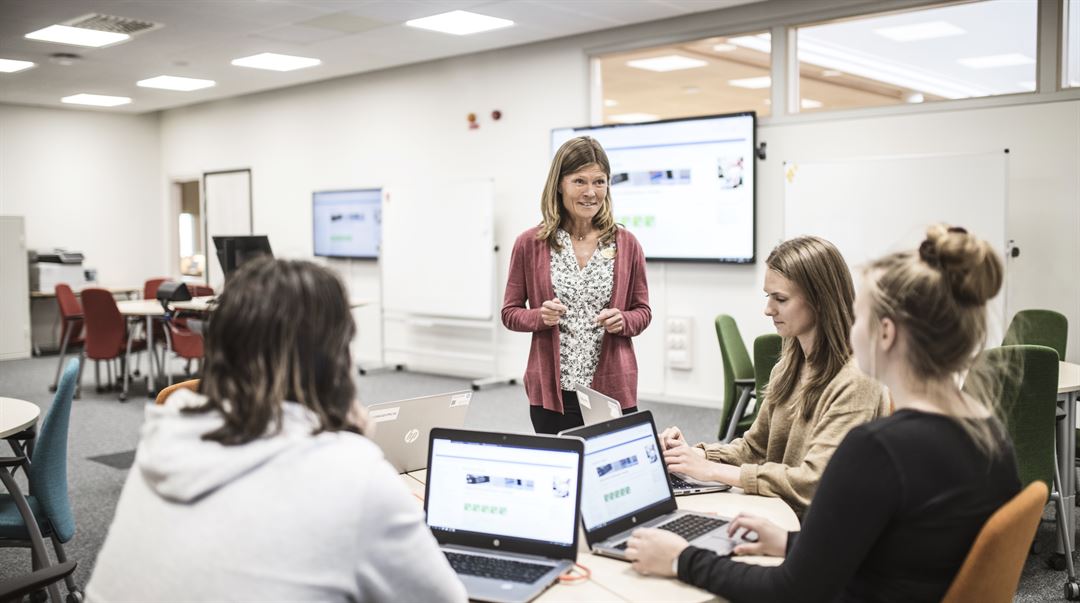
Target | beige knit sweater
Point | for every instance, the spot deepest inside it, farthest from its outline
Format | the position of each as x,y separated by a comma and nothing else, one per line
783,454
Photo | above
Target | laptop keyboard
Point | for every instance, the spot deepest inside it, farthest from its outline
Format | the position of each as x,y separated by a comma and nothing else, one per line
496,568
687,526
679,483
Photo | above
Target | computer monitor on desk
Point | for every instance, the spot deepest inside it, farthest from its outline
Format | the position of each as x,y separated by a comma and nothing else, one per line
233,251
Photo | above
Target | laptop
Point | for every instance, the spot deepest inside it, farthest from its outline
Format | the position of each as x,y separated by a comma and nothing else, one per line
625,486
596,407
504,509
402,427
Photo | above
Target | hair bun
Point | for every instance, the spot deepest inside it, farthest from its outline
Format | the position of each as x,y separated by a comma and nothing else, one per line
973,269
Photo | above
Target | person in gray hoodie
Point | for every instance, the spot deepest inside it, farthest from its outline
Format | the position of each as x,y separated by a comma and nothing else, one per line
261,486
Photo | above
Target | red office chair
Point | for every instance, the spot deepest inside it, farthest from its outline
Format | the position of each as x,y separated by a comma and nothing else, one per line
71,325
185,343
200,290
150,287
106,337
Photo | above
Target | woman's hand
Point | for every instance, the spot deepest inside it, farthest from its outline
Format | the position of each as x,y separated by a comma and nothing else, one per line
690,461
771,538
671,437
611,319
551,311
653,552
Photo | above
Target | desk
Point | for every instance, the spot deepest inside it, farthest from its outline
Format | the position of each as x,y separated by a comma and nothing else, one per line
15,417
148,308
1068,392
614,580
125,291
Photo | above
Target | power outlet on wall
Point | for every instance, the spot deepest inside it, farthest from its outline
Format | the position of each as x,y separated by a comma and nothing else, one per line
679,343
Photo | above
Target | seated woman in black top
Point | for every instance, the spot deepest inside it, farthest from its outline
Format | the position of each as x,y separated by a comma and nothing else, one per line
903,498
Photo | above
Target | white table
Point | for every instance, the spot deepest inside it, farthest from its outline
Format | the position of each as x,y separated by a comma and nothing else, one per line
1068,392
149,309
16,415
614,580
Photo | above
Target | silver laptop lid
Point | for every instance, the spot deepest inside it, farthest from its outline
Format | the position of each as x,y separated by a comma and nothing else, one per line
596,407
402,427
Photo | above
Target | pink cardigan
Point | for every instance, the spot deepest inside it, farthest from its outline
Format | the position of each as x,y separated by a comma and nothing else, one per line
530,281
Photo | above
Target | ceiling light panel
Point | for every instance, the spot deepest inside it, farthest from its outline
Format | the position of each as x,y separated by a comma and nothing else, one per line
1011,59
96,100
671,62
920,31
172,82
459,23
12,65
753,83
276,62
77,36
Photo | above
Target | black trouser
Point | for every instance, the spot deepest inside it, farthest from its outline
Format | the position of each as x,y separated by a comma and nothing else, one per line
549,421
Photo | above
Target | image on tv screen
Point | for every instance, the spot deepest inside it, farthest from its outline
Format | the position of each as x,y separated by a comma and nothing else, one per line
347,224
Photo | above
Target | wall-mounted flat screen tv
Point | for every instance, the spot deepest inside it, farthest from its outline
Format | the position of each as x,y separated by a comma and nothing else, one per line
347,224
683,187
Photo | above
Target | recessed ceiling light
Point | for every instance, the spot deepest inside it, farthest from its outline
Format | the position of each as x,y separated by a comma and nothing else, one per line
809,103
459,23
172,82
633,118
77,36
671,62
753,83
610,102
997,60
920,31
914,98
760,42
275,62
12,65
724,47
97,100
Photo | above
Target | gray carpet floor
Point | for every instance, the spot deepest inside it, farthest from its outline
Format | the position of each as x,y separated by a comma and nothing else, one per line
104,433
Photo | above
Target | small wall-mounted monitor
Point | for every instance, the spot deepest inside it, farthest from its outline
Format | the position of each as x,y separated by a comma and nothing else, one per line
684,187
347,224
233,251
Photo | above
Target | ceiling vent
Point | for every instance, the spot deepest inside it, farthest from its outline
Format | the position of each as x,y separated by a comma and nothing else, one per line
113,24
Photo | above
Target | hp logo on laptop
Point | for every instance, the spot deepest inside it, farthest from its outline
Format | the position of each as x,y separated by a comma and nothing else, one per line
412,435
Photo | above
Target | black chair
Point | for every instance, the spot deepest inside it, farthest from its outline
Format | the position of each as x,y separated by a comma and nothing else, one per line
13,590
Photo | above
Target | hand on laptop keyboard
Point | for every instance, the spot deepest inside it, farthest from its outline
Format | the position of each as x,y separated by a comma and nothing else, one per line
759,535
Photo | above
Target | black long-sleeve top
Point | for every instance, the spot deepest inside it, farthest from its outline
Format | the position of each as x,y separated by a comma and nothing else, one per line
897,510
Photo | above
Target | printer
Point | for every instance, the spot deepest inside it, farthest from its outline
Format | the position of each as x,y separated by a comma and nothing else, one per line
49,268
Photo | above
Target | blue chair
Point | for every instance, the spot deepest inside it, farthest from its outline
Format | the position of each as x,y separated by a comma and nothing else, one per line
48,499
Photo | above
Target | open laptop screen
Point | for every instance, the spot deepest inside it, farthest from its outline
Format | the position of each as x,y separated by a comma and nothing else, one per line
623,474
503,491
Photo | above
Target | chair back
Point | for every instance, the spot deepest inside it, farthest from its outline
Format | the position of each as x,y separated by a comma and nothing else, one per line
71,312
150,287
104,324
767,349
48,470
163,395
991,571
1028,375
1039,327
200,290
186,343
736,362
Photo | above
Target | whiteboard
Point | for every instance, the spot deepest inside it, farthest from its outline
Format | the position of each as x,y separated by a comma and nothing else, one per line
872,206
438,249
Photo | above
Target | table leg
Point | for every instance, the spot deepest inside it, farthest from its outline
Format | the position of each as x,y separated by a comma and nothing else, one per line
151,375
1066,456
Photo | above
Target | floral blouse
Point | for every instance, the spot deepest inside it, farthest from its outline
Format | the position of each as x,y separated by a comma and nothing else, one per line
585,292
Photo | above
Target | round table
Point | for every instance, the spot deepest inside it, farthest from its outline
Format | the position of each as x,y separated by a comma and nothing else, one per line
16,415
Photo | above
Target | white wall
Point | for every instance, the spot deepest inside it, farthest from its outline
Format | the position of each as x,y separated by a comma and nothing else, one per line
88,181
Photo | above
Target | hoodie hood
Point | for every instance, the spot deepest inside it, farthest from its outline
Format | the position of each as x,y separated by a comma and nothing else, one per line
179,466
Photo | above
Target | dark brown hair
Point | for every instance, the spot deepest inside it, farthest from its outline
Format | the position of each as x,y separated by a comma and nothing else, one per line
281,331
575,155
816,267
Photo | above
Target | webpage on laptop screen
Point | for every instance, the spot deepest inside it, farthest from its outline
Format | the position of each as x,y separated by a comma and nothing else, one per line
623,474
502,490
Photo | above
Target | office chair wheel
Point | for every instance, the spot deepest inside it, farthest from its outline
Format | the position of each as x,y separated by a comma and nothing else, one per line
74,596
123,397
52,389
39,596
1056,562
1072,591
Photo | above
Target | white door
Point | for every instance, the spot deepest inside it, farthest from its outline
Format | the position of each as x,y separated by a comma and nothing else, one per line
226,209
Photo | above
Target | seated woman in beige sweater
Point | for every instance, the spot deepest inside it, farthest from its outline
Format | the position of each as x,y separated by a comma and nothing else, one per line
815,394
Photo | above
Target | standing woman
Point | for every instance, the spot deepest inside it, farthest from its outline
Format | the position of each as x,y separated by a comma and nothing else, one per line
577,283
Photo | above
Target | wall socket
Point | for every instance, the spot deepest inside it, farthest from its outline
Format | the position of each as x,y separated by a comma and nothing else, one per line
678,343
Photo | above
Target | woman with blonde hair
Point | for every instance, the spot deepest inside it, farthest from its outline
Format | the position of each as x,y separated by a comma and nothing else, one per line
904,497
577,283
815,395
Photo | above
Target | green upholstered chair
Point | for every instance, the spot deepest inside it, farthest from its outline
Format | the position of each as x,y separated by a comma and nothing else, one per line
767,350
1039,327
1028,376
739,380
